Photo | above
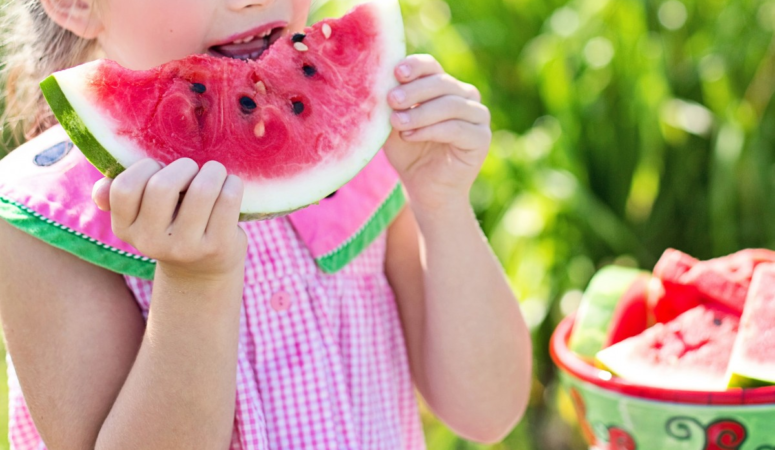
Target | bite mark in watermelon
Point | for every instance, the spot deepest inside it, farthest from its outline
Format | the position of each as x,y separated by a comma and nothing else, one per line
753,357
691,352
295,125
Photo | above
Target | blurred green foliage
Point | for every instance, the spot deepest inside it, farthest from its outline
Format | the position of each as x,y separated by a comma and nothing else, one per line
621,128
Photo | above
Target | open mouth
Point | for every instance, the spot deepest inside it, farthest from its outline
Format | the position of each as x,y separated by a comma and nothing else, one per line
250,45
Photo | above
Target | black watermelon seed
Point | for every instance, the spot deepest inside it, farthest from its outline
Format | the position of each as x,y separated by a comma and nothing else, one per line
717,322
298,107
199,88
298,37
247,103
331,195
309,71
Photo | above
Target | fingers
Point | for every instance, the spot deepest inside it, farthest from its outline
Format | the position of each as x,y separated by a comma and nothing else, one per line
162,193
199,200
445,108
226,210
126,193
100,194
417,66
461,134
429,88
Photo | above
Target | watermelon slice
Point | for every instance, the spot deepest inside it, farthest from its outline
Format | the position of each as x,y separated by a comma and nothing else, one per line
600,300
630,317
689,353
681,282
726,280
753,357
295,125
668,297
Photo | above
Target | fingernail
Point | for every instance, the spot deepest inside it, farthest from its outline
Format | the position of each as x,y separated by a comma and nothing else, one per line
402,118
404,70
100,183
399,96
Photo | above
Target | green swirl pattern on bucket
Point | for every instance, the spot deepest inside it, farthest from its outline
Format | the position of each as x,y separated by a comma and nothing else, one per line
613,421
614,414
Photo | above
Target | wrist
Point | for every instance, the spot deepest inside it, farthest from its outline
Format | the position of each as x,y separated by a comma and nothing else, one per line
174,275
442,213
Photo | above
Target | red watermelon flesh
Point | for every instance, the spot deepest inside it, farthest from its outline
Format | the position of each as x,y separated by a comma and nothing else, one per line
689,353
668,300
668,297
630,317
726,280
753,358
673,264
295,124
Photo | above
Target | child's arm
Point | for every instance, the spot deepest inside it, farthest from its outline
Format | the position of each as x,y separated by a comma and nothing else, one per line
92,378
468,345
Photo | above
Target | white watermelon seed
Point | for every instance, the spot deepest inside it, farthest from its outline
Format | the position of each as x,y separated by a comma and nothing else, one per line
260,129
326,30
300,47
261,87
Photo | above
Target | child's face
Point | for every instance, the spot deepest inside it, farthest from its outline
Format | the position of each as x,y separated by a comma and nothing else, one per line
140,34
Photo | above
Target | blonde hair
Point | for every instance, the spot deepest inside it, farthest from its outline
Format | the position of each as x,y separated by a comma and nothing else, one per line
33,48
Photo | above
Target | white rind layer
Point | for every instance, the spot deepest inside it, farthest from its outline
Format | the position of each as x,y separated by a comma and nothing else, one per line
639,372
272,196
74,85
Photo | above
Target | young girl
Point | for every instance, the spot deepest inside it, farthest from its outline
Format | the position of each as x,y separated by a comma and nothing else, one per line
245,338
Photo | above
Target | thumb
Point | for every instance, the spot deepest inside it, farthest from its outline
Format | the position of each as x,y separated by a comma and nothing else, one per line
100,194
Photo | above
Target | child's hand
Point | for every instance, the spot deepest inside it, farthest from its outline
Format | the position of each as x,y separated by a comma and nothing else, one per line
198,237
441,133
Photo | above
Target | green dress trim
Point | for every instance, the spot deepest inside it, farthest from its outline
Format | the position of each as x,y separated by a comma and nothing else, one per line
125,263
71,241
355,244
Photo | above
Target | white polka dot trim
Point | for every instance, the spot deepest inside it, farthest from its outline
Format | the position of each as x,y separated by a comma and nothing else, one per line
79,234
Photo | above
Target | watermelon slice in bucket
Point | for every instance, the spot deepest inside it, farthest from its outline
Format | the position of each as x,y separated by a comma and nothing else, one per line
753,357
689,353
295,125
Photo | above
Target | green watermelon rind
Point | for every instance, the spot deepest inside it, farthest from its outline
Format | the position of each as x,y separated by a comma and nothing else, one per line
77,130
76,243
742,381
597,308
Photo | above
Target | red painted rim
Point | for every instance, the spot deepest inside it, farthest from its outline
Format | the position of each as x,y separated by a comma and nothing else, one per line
580,369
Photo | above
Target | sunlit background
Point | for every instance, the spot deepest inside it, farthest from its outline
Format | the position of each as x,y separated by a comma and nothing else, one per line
621,127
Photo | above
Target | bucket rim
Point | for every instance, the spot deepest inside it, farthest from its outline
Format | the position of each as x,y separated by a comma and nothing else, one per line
580,369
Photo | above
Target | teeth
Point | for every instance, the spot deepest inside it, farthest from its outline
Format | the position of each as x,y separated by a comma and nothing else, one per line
244,40
250,38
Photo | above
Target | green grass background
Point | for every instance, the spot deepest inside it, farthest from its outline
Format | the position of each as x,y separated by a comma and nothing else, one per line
621,127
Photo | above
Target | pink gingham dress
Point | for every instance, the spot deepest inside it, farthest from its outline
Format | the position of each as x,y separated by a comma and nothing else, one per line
322,359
